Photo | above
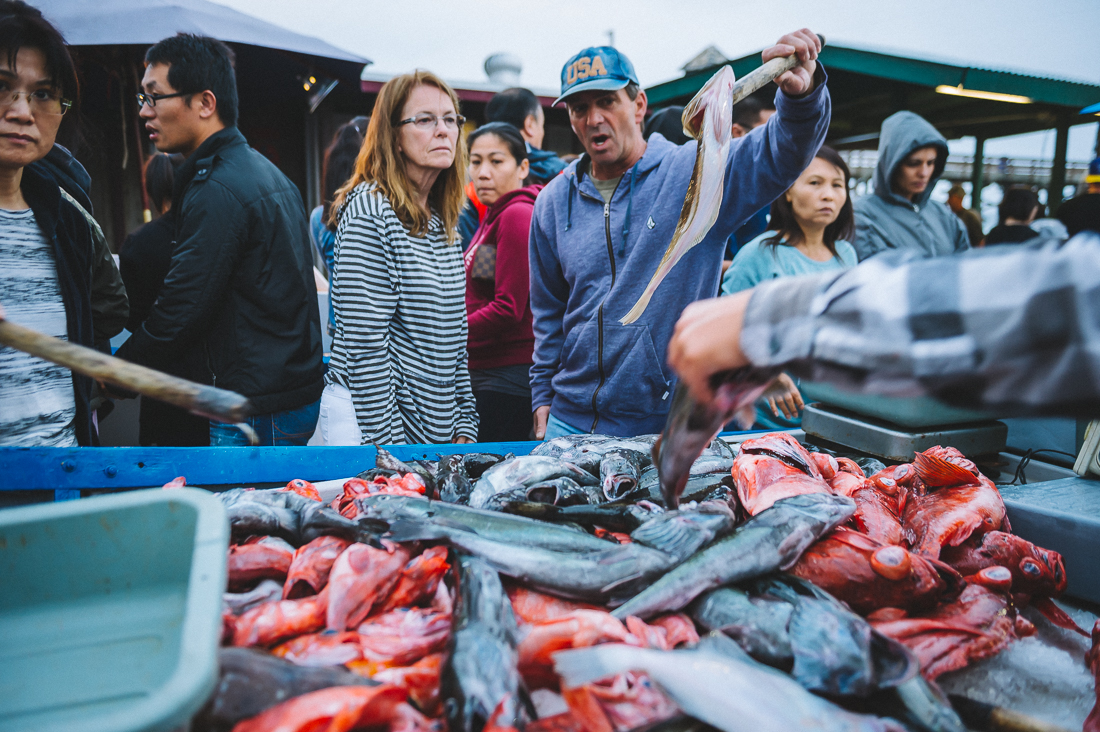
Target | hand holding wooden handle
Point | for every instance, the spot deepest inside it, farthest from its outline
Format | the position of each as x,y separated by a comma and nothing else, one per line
206,401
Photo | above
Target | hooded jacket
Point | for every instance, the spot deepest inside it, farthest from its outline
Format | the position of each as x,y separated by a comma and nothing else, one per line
888,220
499,311
241,285
545,164
590,262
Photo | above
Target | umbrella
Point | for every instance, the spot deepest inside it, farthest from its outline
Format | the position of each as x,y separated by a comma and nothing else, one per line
132,22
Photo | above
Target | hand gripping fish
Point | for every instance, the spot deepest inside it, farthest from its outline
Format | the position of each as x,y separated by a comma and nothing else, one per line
708,118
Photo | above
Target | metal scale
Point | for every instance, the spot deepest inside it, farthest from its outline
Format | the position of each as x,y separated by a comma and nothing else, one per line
894,429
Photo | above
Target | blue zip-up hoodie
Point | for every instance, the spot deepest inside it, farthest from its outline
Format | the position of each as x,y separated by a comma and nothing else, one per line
591,261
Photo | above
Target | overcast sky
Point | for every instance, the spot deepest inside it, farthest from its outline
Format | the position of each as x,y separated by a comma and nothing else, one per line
1058,38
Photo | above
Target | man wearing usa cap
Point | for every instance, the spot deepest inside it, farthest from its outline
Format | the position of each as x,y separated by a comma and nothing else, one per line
601,227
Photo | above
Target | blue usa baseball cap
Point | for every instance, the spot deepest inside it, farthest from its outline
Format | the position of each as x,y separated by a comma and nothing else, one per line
597,67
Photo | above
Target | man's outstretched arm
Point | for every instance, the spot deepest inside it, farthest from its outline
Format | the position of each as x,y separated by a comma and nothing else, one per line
1014,331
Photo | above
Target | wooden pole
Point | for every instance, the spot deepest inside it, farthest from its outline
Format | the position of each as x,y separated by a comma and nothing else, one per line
205,401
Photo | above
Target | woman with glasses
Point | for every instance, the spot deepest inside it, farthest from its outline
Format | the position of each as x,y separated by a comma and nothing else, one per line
398,370
809,232
49,274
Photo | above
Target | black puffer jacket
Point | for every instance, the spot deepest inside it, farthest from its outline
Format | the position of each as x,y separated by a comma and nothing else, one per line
241,285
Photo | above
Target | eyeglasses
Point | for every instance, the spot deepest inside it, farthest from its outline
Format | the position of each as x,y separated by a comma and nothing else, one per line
40,101
152,99
429,121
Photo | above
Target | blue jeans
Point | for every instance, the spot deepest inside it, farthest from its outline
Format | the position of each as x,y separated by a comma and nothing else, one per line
556,428
281,429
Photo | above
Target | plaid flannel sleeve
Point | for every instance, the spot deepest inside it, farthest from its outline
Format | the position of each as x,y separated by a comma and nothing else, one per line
1016,329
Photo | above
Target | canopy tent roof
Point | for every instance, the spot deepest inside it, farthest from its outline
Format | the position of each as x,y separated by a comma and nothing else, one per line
869,85
144,22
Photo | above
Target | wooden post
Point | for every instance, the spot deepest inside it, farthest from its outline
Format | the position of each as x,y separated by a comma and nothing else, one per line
977,175
1058,169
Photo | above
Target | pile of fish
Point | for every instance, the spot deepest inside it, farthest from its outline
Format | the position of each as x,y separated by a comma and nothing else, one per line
585,588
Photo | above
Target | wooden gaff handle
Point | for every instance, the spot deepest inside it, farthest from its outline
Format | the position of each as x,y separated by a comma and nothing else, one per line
206,401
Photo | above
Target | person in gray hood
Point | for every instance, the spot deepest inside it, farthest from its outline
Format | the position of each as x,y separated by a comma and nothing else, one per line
911,158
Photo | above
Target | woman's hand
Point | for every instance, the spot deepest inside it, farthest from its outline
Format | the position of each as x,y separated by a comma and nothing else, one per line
541,416
800,79
461,440
707,340
783,396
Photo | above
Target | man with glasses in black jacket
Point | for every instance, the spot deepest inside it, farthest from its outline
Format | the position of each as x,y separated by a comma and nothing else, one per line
240,286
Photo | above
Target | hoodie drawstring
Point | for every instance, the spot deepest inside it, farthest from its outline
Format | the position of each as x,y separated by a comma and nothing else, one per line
629,207
569,204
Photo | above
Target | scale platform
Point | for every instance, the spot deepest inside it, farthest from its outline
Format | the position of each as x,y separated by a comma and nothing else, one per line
824,422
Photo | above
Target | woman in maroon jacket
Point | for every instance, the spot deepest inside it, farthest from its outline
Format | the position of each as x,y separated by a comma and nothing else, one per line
498,303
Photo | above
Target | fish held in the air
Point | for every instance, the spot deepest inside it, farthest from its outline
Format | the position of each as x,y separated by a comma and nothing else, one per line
708,117
692,425
774,539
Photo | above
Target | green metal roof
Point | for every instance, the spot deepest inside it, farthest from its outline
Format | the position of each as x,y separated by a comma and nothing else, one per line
869,85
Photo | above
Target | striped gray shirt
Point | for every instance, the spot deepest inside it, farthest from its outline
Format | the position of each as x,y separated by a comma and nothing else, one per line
400,341
37,403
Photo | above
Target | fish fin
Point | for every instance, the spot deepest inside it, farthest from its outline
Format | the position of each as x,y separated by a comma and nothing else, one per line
937,472
1056,615
619,583
670,536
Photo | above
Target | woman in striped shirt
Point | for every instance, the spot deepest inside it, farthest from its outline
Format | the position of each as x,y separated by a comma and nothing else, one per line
398,370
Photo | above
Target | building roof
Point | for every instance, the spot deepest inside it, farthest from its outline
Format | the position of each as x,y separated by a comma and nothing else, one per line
868,85
144,22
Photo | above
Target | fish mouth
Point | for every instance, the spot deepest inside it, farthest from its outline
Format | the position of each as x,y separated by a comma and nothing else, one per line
616,487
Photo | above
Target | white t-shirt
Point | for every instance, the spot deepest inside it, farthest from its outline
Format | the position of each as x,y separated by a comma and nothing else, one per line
37,403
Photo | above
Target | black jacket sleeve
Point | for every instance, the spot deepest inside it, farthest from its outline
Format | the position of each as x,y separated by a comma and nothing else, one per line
208,239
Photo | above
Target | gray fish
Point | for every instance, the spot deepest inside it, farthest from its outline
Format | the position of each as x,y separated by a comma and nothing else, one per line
524,471
238,602
251,681
620,470
291,516
385,459
615,572
773,539
476,463
835,651
488,524
692,427
757,624
706,464
682,533
519,493
612,516
562,492
481,672
453,480
725,689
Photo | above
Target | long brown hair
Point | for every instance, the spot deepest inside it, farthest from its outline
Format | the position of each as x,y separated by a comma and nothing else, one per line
789,233
380,164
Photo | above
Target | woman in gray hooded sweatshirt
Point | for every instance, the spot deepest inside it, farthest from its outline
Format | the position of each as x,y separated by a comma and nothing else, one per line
900,214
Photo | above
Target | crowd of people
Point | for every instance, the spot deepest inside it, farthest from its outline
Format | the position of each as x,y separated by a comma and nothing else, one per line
477,281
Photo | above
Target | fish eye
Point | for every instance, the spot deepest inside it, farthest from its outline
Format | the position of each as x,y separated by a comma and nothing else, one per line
1029,566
